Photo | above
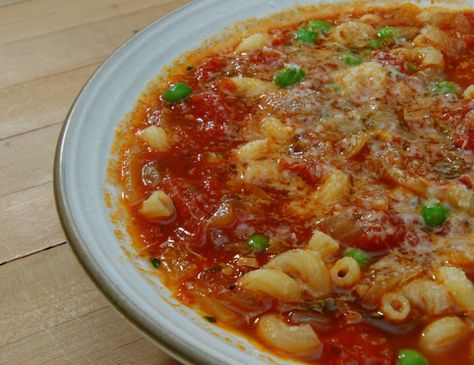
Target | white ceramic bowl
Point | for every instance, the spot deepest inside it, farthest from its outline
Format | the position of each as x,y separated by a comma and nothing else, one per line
80,172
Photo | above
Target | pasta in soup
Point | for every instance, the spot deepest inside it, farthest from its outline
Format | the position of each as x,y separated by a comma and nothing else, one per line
309,184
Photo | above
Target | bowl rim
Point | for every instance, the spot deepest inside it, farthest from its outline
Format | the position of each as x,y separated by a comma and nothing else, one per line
170,344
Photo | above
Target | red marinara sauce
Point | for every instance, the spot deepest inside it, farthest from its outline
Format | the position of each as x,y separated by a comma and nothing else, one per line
307,148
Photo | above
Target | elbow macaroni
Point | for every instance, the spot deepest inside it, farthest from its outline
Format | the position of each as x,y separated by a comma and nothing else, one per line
307,267
431,56
345,272
353,34
443,334
156,138
158,205
274,283
458,285
322,244
434,36
428,56
262,173
395,307
274,128
250,87
336,186
253,42
428,296
276,333
287,275
363,83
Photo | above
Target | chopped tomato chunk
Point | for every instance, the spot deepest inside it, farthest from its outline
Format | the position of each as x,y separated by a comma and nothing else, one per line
358,344
381,230
387,59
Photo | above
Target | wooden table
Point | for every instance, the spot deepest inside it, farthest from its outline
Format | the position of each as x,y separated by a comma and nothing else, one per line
50,312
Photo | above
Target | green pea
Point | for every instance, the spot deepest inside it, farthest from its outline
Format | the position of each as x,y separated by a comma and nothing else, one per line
362,257
320,26
411,357
351,59
289,76
306,36
375,44
387,33
177,92
434,213
444,87
258,243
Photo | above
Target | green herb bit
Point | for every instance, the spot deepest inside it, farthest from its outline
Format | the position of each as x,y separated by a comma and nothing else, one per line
394,74
210,319
411,357
177,92
444,87
330,305
434,213
289,76
258,243
351,59
387,33
362,257
410,67
323,305
320,26
155,262
335,87
375,44
189,68
306,36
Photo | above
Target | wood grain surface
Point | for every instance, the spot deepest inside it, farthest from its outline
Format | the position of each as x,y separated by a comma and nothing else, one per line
50,312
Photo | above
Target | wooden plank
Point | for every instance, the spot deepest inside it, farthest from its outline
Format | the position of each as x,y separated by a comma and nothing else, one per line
71,48
28,222
51,313
53,291
40,103
96,338
17,23
5,3
27,159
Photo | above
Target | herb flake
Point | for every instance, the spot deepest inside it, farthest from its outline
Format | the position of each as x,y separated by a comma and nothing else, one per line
155,262
210,319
